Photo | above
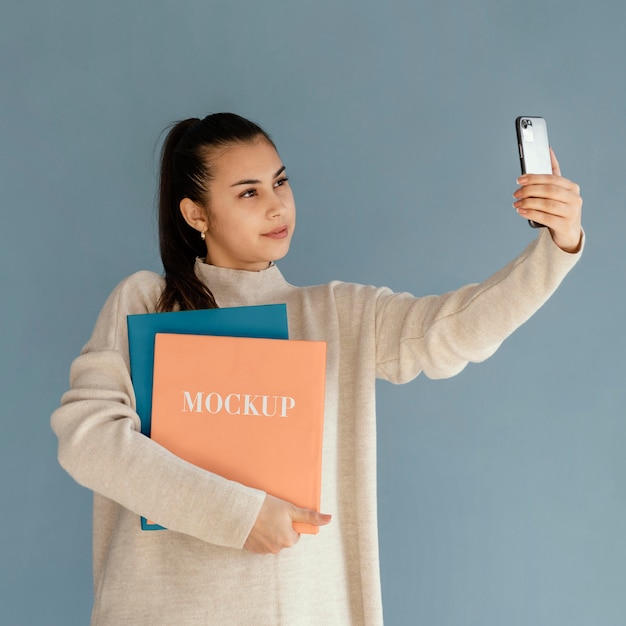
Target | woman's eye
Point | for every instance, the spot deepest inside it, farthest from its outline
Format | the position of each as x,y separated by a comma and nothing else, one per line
281,181
249,193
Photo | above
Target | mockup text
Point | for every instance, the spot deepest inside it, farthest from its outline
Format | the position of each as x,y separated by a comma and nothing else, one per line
237,404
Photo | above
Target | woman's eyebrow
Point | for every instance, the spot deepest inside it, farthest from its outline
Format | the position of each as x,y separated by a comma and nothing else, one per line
257,182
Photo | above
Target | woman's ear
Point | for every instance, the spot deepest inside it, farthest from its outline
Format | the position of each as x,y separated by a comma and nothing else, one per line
194,215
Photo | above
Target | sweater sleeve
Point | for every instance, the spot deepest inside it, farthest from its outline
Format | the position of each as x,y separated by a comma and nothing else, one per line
439,335
102,448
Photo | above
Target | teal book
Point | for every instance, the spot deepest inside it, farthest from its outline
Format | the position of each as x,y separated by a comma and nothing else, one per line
264,321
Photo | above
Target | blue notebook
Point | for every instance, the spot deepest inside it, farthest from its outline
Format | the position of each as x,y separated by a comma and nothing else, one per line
266,321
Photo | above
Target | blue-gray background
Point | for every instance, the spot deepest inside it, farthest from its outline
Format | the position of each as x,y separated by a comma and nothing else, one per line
501,492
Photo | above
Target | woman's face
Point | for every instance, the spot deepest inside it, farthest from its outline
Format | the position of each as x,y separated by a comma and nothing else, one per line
251,213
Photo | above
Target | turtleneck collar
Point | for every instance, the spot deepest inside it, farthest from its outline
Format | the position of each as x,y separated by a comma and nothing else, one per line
241,287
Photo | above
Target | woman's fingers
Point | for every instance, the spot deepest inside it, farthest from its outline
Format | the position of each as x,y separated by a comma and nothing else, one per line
553,201
273,529
307,516
557,199
556,170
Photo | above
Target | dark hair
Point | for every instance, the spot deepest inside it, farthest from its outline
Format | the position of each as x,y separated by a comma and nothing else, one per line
186,171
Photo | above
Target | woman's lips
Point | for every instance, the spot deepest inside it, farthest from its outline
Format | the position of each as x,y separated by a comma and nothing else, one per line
277,233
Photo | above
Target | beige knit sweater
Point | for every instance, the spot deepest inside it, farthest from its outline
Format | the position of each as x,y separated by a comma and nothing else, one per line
197,572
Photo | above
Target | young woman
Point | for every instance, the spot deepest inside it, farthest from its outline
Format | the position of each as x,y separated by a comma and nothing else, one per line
231,555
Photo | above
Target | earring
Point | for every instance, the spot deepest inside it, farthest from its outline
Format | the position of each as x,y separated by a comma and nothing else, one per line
203,235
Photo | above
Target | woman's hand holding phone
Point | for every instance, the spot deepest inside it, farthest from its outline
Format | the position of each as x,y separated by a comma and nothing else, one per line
553,201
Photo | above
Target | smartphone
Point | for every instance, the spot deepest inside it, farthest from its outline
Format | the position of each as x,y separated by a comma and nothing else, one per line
534,148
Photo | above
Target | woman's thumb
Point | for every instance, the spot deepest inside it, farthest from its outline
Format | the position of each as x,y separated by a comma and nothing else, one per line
308,516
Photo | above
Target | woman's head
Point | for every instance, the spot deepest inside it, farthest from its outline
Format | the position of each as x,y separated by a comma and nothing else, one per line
223,194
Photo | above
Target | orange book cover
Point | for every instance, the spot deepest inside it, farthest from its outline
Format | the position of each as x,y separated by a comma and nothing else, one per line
248,409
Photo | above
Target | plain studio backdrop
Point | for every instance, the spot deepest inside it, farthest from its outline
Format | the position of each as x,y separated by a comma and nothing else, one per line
501,491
